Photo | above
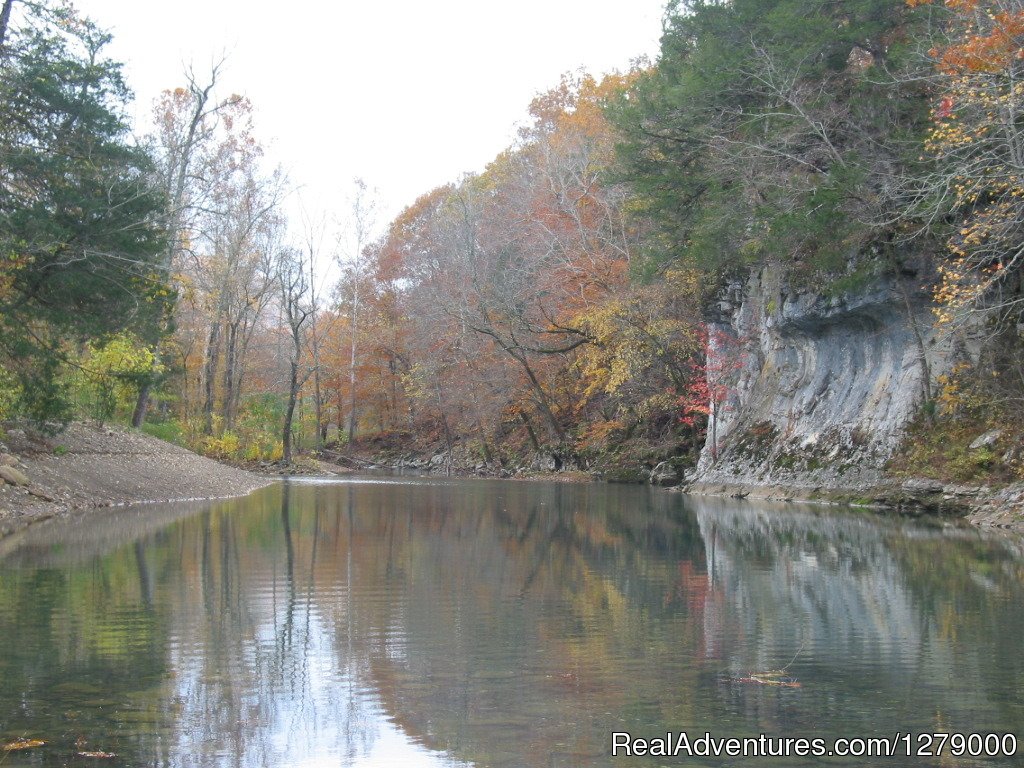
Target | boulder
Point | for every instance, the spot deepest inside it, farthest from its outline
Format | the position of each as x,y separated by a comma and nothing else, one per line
922,486
665,474
964,490
7,460
40,495
13,476
986,440
545,462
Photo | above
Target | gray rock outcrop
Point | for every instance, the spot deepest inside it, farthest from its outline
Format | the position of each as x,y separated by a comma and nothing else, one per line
665,474
820,388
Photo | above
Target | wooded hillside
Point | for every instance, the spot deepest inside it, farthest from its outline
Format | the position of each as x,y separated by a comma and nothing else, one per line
560,298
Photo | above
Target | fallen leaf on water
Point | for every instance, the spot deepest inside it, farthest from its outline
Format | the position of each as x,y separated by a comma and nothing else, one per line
776,677
23,744
97,754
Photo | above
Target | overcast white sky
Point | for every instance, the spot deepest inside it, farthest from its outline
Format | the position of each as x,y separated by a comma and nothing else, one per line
406,94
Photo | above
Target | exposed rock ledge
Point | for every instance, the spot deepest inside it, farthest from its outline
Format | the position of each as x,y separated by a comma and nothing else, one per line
823,388
978,505
89,466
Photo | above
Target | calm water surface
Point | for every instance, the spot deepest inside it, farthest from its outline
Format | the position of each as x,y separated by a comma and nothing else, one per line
478,623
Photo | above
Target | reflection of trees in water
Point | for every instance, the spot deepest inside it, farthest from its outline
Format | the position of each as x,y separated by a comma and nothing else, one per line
271,681
506,623
520,613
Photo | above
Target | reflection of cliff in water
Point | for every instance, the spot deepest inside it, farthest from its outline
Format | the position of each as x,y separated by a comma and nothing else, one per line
883,610
602,615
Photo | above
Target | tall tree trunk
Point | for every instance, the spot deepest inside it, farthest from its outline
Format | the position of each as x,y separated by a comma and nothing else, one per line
321,427
5,18
529,431
444,423
393,370
230,383
293,393
353,352
341,411
142,404
210,375
543,401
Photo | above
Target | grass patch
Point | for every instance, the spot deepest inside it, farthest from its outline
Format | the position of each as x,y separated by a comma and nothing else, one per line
941,450
168,431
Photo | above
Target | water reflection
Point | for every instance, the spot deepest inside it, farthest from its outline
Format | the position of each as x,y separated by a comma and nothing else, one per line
448,623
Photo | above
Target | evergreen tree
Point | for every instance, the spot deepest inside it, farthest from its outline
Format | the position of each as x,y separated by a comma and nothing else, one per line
78,238
771,130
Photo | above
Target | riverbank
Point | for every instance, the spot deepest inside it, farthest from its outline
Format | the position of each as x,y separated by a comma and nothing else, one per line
87,466
979,505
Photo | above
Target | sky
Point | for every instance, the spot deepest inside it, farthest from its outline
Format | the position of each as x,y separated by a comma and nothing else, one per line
406,95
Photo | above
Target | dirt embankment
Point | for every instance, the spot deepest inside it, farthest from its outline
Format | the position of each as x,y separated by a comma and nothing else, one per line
87,466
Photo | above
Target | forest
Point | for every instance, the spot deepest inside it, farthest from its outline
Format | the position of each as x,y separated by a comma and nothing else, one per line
557,302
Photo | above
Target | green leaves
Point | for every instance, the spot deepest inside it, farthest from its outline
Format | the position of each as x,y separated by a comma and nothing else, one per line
767,132
77,210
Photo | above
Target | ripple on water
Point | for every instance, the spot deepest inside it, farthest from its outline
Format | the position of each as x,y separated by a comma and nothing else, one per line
392,621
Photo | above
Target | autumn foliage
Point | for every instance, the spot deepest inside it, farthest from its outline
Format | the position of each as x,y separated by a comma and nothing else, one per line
977,143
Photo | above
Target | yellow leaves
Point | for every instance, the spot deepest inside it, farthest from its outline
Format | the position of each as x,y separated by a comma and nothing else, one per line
957,391
224,447
598,432
418,382
10,391
121,355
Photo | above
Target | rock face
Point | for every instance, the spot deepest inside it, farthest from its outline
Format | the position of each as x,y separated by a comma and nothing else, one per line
986,440
665,474
821,386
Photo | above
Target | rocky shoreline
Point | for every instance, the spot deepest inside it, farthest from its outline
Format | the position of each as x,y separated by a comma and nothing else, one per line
980,505
89,466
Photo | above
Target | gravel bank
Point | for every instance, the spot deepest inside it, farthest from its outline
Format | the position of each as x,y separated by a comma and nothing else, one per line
88,466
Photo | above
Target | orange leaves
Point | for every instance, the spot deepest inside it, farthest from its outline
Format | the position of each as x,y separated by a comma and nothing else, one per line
990,52
958,5
990,37
975,140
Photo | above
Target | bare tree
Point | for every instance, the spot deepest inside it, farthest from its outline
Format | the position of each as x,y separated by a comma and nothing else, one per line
362,217
295,288
186,124
313,231
234,277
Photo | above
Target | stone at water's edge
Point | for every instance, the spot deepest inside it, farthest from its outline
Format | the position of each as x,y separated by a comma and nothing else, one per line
13,476
665,474
922,485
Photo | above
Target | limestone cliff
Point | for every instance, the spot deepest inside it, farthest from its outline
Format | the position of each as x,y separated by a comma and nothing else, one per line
822,386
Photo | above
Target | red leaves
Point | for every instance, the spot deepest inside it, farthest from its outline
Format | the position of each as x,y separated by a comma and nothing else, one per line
715,377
